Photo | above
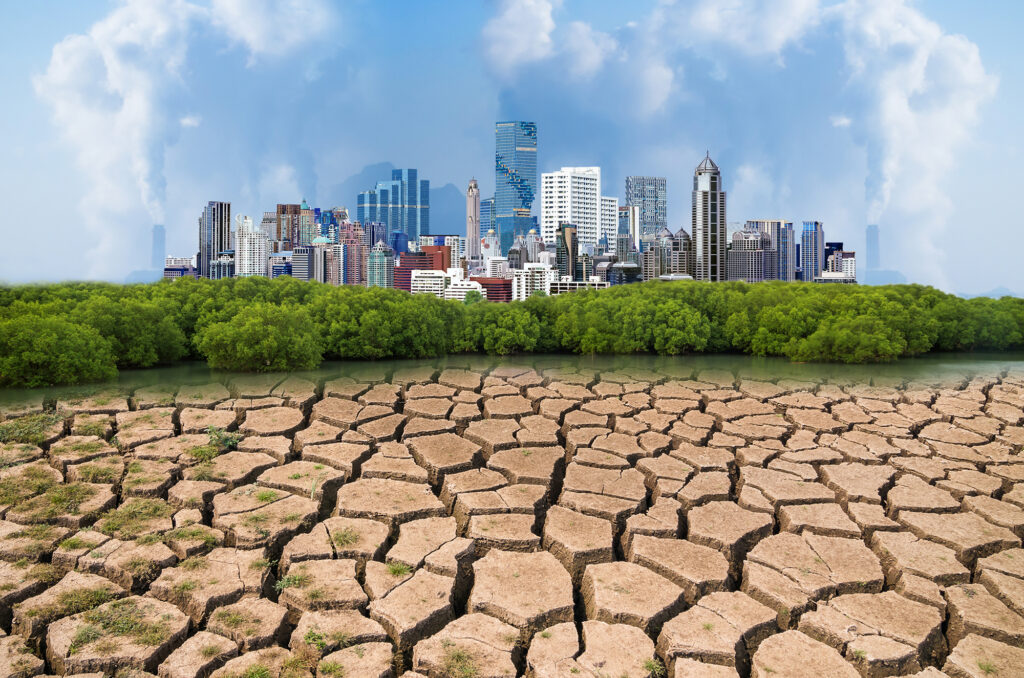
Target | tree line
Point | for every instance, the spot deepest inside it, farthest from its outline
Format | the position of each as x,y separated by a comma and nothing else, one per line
72,333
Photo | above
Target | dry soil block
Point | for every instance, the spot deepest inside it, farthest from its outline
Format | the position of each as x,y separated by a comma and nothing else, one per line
501,577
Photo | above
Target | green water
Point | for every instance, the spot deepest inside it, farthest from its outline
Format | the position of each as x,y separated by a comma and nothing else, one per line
935,368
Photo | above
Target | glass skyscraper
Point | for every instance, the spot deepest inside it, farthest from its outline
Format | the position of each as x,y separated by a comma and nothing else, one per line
651,196
402,203
515,179
812,250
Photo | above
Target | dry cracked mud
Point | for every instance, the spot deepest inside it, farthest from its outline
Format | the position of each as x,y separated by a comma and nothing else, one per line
518,521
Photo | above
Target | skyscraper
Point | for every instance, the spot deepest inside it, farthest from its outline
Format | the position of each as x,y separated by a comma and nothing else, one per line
650,196
566,250
402,203
473,221
380,270
708,223
515,178
573,195
752,257
871,248
253,250
812,250
214,235
159,252
780,235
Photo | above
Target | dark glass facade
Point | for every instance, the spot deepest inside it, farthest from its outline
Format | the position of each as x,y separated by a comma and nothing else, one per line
515,180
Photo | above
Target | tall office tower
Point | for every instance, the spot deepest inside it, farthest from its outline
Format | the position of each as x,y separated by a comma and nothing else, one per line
655,259
517,255
534,245
214,235
287,225
779,242
752,258
566,250
515,178
812,250
380,269
609,219
304,227
649,195
871,253
708,223
680,252
375,232
486,215
159,250
402,204
572,195
252,251
830,249
473,220
629,224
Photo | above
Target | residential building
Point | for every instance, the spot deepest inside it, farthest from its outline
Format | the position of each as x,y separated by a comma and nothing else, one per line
303,266
629,224
429,282
402,204
436,259
252,251
534,245
473,221
531,278
709,223
573,195
374,232
457,244
380,269
624,272
159,247
564,285
650,196
447,260
812,249
490,246
496,267
458,288
609,219
214,234
223,266
515,178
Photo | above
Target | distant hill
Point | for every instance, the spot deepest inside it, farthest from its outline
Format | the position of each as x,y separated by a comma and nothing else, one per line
994,294
447,203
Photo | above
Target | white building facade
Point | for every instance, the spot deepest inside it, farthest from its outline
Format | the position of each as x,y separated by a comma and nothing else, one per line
572,195
252,249
532,278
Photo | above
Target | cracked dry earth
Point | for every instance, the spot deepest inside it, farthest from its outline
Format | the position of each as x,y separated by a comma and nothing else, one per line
507,522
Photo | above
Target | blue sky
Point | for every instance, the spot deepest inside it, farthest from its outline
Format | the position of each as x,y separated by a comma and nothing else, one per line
119,114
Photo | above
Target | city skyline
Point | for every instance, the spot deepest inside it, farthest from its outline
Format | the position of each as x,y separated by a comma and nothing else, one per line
839,156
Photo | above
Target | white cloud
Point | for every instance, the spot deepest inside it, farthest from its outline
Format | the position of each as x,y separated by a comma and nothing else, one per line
273,27
278,181
190,120
588,48
109,93
755,27
519,34
923,89
839,121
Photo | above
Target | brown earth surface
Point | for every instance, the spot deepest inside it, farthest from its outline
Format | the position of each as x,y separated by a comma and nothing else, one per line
518,522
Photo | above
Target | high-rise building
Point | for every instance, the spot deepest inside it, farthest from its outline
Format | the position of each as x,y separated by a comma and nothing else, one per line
573,195
473,221
402,204
779,245
214,234
486,215
531,278
812,250
159,250
223,266
629,224
252,251
566,250
751,257
534,245
609,219
708,222
380,269
515,178
871,253
490,245
650,196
